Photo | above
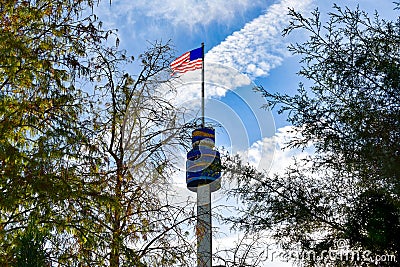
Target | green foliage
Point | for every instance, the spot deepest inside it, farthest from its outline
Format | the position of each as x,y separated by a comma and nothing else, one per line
349,188
81,143
41,131
375,222
30,251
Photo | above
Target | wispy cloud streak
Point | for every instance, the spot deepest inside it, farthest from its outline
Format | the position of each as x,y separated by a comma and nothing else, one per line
259,46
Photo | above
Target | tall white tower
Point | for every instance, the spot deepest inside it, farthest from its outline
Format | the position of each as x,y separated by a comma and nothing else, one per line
203,173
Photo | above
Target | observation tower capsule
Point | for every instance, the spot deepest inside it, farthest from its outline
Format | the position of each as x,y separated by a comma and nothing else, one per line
203,165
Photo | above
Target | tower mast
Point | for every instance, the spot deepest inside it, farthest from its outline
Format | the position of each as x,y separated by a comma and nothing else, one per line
203,172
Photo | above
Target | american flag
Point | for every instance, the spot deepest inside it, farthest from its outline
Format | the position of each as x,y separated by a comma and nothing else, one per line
191,60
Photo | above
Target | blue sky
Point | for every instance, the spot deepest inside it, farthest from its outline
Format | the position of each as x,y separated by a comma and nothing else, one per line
243,36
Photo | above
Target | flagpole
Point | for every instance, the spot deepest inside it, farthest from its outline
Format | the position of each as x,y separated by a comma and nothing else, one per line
202,87
204,238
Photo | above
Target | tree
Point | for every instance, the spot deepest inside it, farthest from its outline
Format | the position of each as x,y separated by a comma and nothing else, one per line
42,133
136,128
92,179
349,187
30,249
251,250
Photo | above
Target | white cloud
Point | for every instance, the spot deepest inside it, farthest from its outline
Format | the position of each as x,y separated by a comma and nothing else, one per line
258,47
269,154
182,13
194,12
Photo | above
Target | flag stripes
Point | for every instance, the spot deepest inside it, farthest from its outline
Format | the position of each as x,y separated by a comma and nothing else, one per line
187,62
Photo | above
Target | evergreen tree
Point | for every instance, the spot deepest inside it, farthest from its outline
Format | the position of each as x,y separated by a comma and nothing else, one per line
349,187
